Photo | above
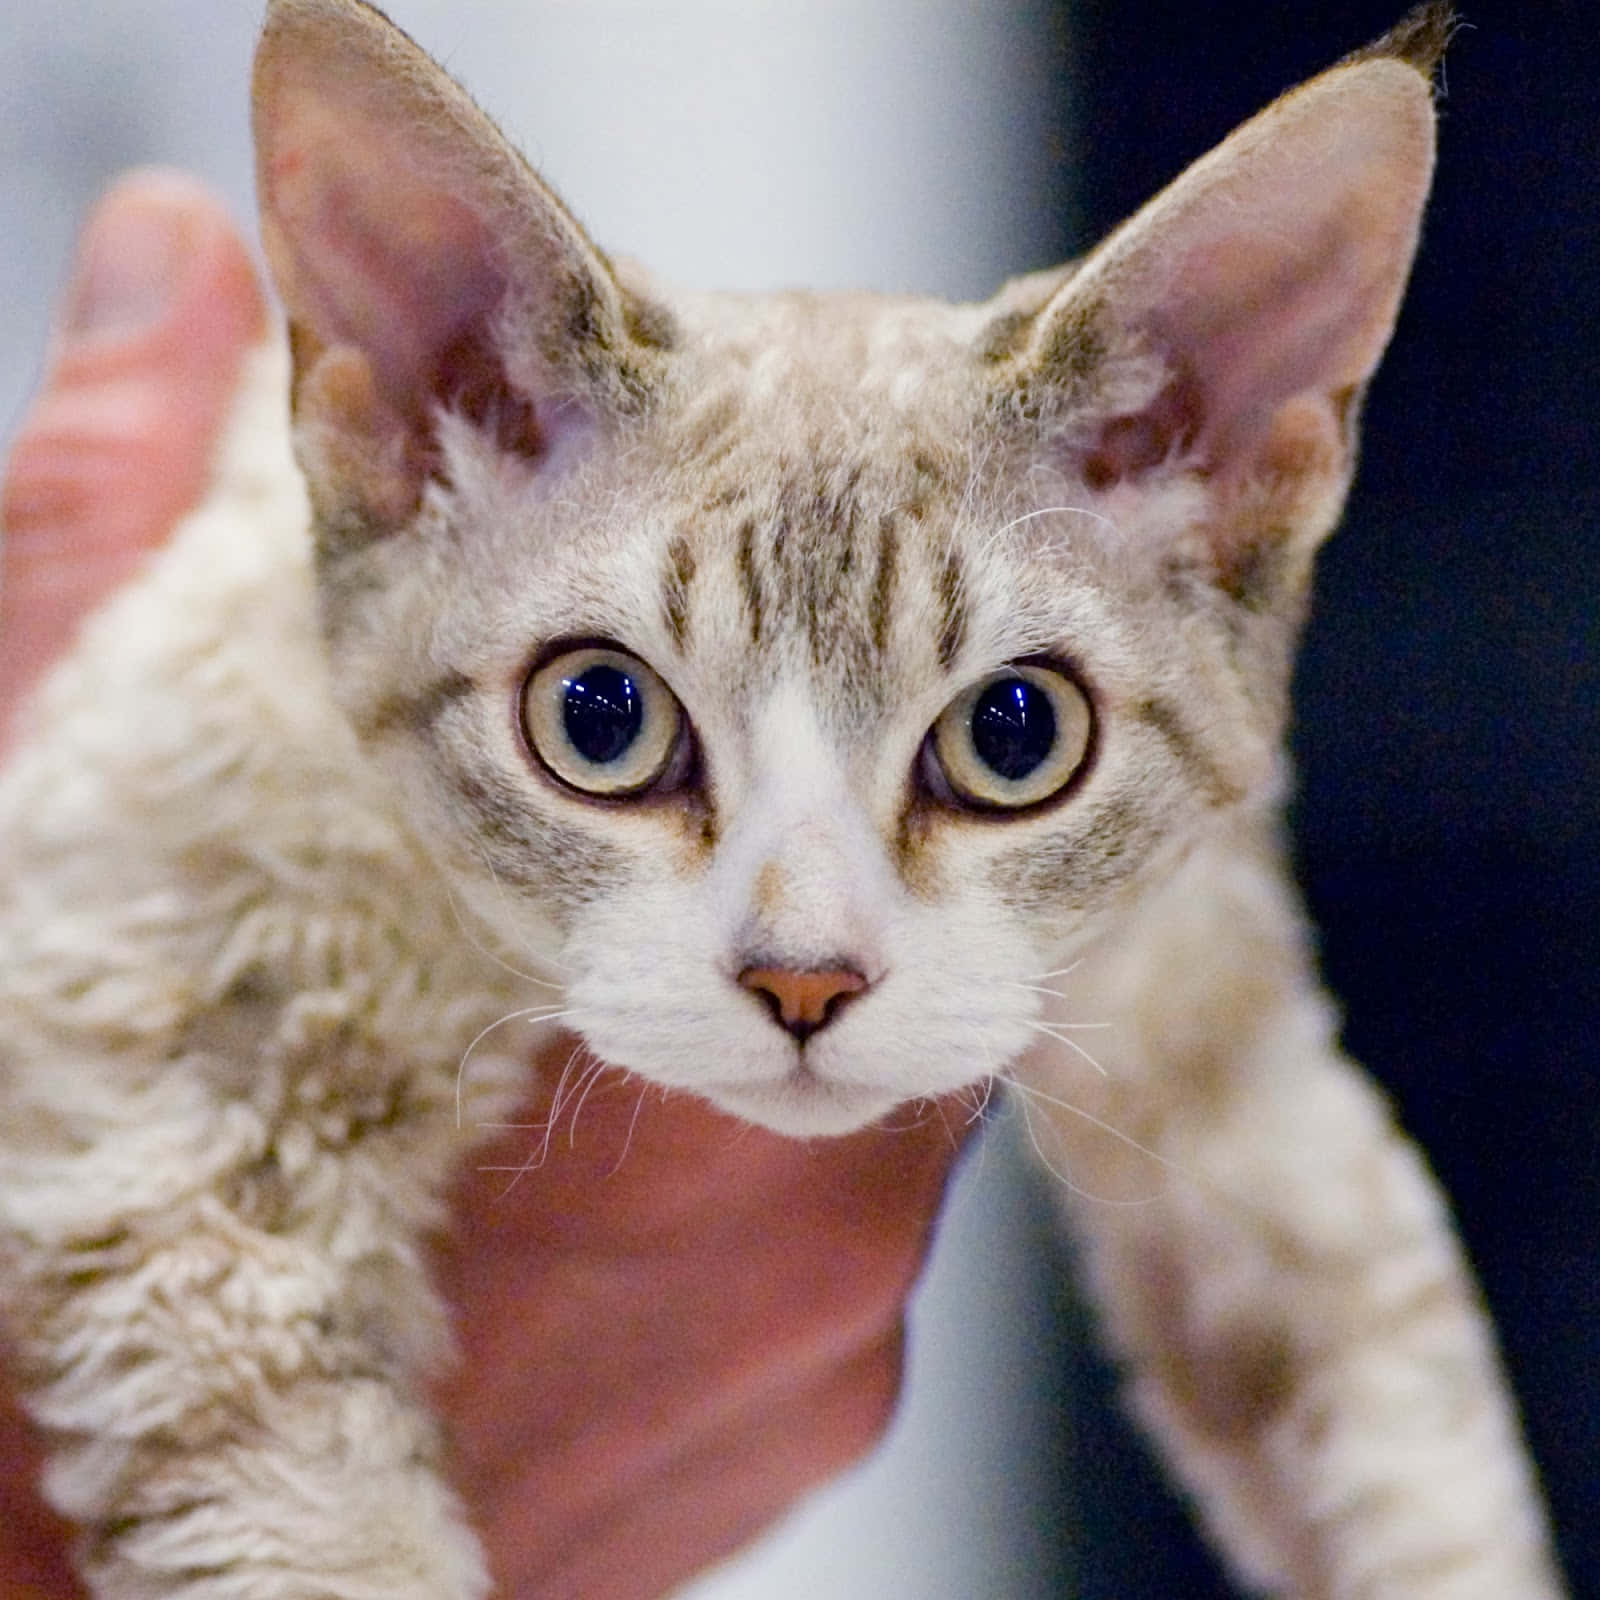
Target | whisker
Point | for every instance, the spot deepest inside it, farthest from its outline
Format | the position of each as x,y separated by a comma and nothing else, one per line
1056,994
950,1133
1025,1094
566,1087
590,1076
1035,988
981,1093
489,955
512,918
1030,1092
534,1014
1060,972
916,1111
1049,1031
633,1122
1055,511
1038,1149
537,1157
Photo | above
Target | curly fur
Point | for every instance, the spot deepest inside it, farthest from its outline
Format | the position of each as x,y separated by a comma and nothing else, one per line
274,847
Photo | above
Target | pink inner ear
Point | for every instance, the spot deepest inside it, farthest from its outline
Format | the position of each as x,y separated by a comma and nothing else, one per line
1269,273
1131,445
1249,324
1299,309
372,252
408,241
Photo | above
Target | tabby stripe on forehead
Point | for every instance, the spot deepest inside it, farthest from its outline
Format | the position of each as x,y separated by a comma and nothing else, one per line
749,578
883,582
1186,747
675,589
415,713
952,585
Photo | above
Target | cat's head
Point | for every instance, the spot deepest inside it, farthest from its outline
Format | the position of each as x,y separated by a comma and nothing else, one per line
802,677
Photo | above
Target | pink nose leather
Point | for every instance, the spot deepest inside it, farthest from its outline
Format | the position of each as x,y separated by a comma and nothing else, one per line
803,1001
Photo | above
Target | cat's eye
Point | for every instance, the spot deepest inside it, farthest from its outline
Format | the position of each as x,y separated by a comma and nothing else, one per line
1013,739
603,722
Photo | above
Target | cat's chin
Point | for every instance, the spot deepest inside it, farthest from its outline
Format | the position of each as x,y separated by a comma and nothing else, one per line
804,1106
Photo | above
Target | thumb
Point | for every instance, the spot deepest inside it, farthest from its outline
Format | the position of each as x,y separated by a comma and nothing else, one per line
162,307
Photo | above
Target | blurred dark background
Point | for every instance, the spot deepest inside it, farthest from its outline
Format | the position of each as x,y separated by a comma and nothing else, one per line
1448,741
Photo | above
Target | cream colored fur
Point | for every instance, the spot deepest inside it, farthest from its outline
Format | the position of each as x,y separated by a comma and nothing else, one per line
274,850
223,957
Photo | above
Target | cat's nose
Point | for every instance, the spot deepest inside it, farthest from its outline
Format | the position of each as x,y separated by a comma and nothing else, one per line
802,1002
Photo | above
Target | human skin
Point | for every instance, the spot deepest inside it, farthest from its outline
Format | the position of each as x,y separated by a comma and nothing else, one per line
673,1325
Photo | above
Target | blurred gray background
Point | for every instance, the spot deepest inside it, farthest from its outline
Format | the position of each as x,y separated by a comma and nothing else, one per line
900,144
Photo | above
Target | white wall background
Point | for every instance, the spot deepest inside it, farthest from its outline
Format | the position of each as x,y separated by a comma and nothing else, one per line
891,144
732,143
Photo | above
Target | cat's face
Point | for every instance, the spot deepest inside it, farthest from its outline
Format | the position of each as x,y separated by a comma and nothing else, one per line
821,664
803,680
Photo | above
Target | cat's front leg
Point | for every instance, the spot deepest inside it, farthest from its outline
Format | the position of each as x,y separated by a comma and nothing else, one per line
1280,1275
217,1427
223,1331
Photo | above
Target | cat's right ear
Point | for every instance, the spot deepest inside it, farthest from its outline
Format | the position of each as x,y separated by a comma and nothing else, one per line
423,265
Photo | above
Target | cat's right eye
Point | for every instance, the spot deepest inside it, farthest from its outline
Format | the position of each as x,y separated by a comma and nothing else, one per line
604,723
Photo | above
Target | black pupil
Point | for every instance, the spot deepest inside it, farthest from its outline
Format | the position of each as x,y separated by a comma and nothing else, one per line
1013,728
603,713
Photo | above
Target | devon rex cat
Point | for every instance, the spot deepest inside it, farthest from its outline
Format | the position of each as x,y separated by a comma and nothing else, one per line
835,698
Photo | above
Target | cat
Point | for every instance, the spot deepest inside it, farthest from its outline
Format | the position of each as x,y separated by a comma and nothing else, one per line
834,697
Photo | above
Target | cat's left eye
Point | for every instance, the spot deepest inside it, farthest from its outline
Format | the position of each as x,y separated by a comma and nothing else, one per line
604,723
1014,739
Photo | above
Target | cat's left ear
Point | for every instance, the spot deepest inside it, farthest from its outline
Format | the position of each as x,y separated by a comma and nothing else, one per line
1227,330
424,266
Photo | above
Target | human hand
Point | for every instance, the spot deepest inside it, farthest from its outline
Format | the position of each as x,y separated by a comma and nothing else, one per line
670,1327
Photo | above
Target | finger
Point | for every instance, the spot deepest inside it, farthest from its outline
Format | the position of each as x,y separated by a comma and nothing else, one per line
162,306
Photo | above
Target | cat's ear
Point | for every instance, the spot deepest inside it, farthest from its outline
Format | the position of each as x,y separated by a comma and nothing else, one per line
424,266
1228,329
